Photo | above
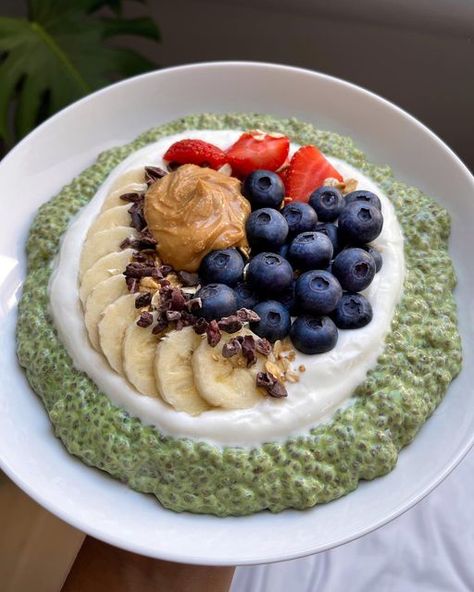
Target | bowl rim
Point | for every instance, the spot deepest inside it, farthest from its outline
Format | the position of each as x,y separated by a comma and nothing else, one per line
88,527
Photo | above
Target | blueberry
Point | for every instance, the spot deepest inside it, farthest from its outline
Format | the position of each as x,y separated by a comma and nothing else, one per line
327,203
287,298
317,292
224,266
283,250
364,197
263,189
313,335
300,217
218,300
246,297
376,254
269,273
266,230
331,231
353,311
360,223
310,250
354,268
274,320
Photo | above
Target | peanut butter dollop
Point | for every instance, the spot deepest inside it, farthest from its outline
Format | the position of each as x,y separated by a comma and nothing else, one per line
192,211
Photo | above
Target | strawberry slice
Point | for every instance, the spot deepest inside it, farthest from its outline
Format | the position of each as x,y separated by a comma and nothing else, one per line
257,150
196,152
283,174
282,171
308,170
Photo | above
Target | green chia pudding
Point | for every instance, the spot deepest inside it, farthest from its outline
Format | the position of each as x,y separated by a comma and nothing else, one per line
361,440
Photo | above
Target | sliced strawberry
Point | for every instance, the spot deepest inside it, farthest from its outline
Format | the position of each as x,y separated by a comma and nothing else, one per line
308,170
283,174
257,150
196,152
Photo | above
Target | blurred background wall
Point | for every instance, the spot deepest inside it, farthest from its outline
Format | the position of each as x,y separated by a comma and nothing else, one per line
417,53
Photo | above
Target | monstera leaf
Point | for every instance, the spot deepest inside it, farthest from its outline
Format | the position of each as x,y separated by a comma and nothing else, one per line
60,53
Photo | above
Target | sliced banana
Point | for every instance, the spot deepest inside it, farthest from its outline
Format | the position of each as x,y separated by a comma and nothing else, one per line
114,322
101,244
131,182
138,355
103,268
223,383
174,372
118,216
100,297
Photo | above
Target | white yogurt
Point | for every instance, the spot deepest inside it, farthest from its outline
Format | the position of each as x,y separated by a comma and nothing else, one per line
329,379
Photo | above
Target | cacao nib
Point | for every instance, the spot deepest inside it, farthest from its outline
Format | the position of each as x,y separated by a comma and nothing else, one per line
143,300
187,318
137,216
143,243
126,243
273,387
263,346
230,324
165,290
172,315
265,379
165,270
153,173
160,326
146,234
141,270
188,279
200,327
213,334
145,319
249,350
231,348
194,304
278,390
178,301
147,257
246,315
134,197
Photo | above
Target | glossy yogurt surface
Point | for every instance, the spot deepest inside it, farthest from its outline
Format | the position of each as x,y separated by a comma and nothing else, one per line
328,380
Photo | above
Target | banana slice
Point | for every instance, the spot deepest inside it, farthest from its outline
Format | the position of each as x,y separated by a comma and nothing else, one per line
138,354
103,243
115,320
118,216
130,182
174,372
220,381
100,297
105,267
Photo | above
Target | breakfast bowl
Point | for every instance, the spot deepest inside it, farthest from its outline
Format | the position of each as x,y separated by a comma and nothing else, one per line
60,149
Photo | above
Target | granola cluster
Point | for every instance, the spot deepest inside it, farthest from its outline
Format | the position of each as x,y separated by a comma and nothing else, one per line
345,186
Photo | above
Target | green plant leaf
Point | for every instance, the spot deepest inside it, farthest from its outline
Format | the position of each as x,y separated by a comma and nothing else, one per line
59,55
10,75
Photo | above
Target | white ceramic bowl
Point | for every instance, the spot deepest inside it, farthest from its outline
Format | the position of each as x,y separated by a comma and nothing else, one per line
62,147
